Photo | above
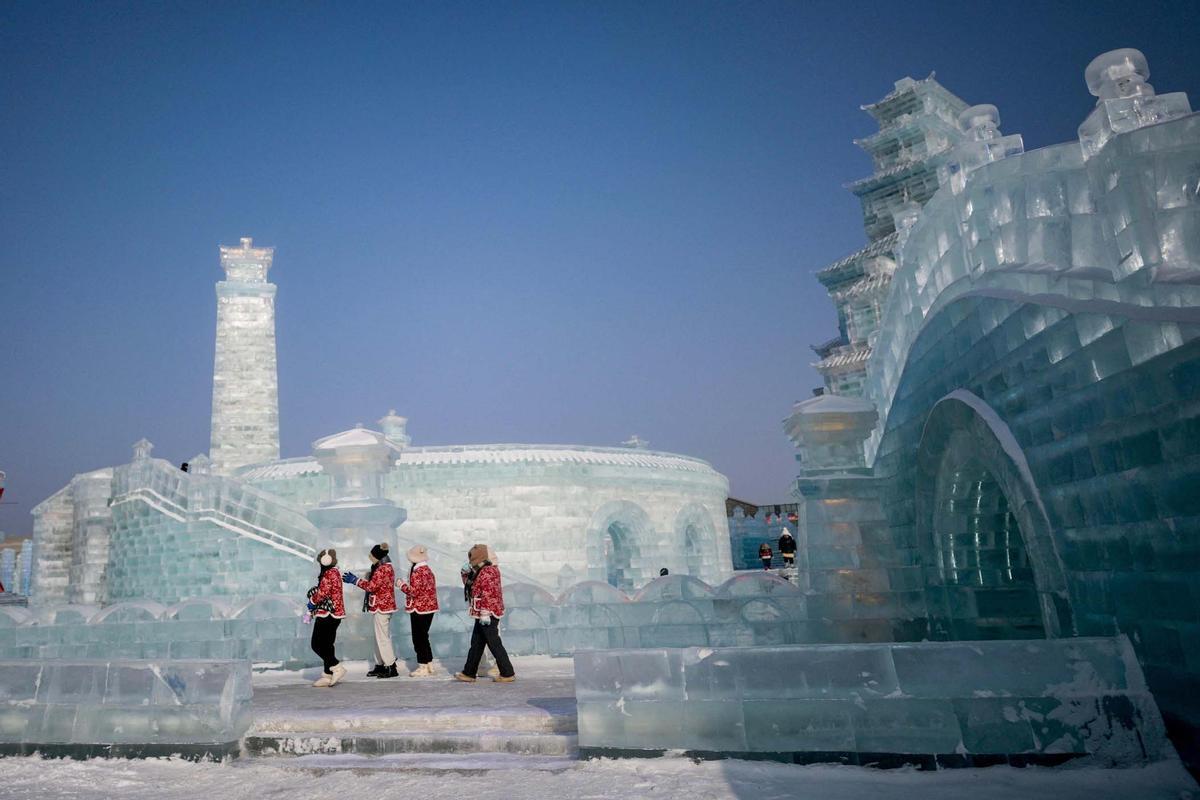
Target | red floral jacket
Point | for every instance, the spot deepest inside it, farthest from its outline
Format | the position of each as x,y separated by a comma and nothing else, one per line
486,594
329,588
420,596
382,586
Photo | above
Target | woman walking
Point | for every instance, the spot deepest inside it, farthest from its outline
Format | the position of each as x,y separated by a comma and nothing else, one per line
380,601
326,605
487,604
421,603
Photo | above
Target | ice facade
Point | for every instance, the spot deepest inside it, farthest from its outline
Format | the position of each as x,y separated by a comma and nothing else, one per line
1028,444
752,609
197,708
751,526
943,704
241,522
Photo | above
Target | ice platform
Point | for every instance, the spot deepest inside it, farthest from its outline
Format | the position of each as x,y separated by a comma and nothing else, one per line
431,724
192,708
930,704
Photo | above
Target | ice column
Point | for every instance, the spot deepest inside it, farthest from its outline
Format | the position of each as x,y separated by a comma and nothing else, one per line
245,405
91,536
1125,101
357,516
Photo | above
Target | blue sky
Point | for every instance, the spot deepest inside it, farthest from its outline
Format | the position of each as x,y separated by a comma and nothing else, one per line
558,222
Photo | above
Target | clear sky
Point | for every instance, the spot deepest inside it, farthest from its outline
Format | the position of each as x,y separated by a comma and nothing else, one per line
559,222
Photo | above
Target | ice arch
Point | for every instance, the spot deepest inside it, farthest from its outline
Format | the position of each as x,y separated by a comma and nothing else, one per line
696,540
973,481
616,536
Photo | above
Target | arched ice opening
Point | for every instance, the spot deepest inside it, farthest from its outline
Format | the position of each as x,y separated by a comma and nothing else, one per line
991,565
616,536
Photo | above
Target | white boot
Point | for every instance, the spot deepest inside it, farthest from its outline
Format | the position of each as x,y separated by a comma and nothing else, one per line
337,673
323,681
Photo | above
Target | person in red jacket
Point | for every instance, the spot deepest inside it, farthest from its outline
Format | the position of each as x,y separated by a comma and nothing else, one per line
380,601
487,604
326,605
421,603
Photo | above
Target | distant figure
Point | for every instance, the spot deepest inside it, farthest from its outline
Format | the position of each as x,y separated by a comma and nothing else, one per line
764,552
663,572
183,467
787,548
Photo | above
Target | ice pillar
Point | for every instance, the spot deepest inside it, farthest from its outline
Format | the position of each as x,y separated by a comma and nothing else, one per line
245,404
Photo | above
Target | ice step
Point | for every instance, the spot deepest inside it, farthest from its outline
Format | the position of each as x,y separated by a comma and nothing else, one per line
556,718
410,742
432,763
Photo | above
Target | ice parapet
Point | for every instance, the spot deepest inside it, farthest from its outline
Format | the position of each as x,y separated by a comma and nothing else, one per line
124,707
1039,701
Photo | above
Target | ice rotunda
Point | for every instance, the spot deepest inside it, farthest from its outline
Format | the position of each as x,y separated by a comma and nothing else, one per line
241,522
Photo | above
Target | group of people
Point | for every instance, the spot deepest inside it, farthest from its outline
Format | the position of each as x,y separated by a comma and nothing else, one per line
481,590
787,549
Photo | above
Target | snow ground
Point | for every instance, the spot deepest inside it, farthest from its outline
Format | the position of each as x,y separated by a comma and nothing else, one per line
166,779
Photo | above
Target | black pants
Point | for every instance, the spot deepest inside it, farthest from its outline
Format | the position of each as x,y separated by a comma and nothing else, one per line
420,636
487,635
766,561
789,559
324,634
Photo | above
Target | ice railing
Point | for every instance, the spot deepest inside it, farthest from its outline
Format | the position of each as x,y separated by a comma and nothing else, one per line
225,502
1118,234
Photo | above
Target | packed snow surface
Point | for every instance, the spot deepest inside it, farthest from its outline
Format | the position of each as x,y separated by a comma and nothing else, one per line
635,778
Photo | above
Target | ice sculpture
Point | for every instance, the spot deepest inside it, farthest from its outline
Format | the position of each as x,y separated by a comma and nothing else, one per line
1125,101
245,405
124,708
948,704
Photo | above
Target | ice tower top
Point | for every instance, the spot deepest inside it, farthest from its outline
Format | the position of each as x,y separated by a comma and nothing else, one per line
247,263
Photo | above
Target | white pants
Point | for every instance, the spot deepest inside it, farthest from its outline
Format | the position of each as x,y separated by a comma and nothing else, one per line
383,640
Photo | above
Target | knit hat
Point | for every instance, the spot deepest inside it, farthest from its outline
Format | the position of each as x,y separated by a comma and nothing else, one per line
786,532
418,553
477,554
379,551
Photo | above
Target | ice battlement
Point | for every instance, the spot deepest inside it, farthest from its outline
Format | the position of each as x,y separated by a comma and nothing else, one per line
1114,230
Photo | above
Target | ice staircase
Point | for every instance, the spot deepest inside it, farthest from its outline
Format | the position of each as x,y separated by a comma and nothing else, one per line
428,725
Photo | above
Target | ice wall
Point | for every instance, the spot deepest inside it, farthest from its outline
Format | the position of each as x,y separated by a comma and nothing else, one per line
196,708
943,704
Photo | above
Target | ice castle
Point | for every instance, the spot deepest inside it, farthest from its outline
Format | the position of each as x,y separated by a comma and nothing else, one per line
1007,448
241,522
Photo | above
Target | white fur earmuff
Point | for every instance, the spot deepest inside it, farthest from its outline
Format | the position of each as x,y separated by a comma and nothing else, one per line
326,559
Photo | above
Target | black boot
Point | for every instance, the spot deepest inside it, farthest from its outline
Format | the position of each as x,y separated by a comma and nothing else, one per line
388,672
377,671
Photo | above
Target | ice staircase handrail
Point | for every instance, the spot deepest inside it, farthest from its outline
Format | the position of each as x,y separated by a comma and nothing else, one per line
157,484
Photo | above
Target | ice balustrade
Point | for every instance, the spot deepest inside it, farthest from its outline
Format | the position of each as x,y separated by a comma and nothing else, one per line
227,502
927,703
676,610
1048,226
196,708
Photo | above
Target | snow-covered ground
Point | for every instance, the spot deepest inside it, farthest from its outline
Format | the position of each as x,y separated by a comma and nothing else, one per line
31,778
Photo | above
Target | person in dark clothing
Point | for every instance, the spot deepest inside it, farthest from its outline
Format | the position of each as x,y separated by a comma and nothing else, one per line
662,573
764,552
787,548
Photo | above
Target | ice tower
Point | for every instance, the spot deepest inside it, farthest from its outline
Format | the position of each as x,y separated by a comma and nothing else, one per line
918,129
245,405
